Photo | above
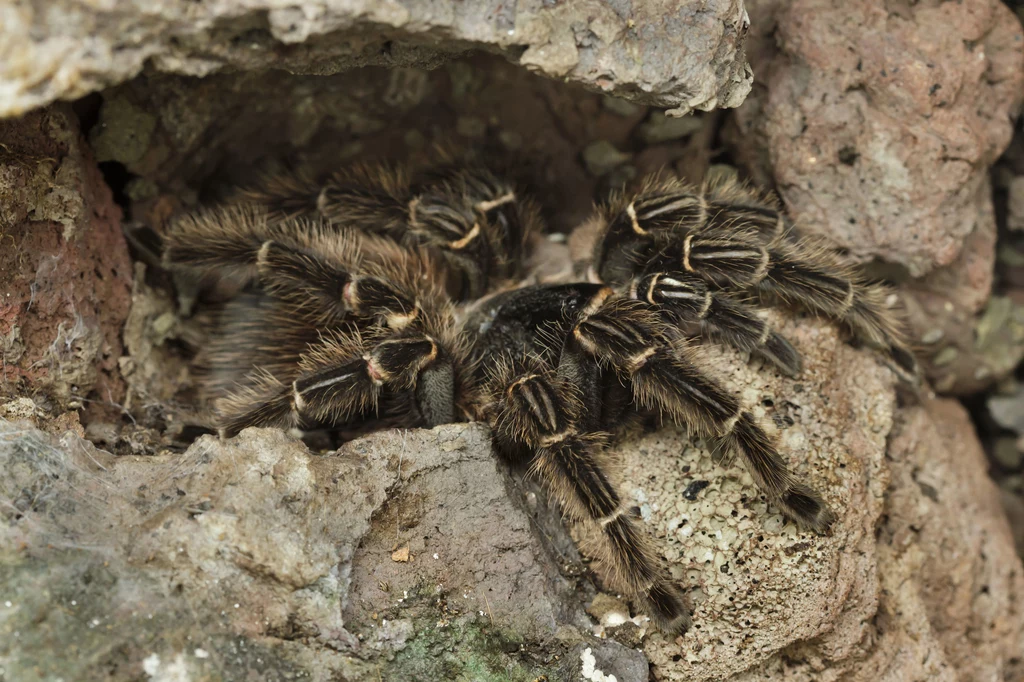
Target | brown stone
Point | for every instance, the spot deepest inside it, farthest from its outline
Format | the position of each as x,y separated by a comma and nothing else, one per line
872,123
65,273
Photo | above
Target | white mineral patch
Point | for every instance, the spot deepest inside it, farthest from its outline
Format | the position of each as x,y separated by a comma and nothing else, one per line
589,670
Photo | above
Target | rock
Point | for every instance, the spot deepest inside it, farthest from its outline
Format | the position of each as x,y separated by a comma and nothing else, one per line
603,661
1015,204
1013,503
65,273
157,377
601,157
1008,410
124,132
252,522
759,584
621,107
685,55
1006,452
661,128
965,339
938,597
869,122
963,354
407,555
255,557
946,555
775,603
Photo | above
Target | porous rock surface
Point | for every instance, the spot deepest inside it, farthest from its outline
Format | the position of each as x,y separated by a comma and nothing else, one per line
686,55
402,554
760,584
878,122
919,579
948,604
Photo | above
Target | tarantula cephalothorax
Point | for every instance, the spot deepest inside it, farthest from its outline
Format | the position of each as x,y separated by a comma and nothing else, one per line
394,297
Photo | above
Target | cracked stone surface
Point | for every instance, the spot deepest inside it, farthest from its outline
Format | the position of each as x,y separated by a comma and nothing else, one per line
685,55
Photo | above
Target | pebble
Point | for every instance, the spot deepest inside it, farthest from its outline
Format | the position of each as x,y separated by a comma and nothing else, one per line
601,157
1007,453
946,356
660,128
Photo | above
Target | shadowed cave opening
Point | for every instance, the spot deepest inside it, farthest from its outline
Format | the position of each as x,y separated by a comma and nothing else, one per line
168,145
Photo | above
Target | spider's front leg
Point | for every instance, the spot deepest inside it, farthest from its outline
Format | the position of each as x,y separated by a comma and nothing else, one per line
734,240
541,411
687,300
627,336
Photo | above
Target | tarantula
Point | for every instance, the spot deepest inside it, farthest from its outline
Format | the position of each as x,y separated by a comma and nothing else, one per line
394,297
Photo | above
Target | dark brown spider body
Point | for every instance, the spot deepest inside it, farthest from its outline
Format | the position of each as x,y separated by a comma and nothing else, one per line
389,297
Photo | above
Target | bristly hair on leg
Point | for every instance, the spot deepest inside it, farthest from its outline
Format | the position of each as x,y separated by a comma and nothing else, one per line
539,410
737,240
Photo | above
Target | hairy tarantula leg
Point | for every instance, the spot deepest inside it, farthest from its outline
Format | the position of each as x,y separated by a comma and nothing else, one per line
292,272
688,300
733,238
337,382
827,289
541,409
800,278
374,197
796,277
622,334
724,217
668,208
285,196
241,239
677,224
